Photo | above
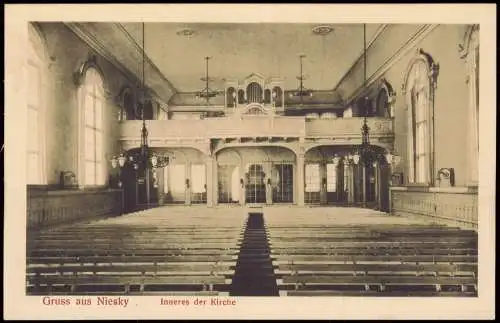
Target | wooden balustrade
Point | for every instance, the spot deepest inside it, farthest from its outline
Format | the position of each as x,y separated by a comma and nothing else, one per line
347,127
455,206
48,207
254,126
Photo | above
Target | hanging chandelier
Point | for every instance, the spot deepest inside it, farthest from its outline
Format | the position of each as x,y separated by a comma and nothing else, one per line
365,153
144,158
207,93
301,91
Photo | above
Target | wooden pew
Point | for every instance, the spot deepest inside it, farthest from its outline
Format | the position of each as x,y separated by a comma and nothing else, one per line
143,254
376,260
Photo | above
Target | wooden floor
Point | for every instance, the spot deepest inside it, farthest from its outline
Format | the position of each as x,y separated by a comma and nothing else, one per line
179,250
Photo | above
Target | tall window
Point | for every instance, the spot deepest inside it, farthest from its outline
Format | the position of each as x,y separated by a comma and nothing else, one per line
177,174
35,110
198,178
418,100
331,177
312,178
93,102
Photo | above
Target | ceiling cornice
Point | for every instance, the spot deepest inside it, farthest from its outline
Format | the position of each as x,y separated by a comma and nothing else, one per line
91,41
378,32
148,60
394,58
79,30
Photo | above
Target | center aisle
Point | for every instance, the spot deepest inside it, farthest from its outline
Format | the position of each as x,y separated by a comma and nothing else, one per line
254,274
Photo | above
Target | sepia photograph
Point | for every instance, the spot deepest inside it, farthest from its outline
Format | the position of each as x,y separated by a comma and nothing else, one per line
212,164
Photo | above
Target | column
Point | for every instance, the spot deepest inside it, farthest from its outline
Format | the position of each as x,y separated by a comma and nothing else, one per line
209,166
147,184
339,168
161,185
300,180
188,186
376,170
472,173
214,181
350,184
363,166
322,189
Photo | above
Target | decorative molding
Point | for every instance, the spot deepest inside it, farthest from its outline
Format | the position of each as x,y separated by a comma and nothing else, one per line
432,67
361,56
148,60
79,30
79,74
94,44
396,57
463,49
433,72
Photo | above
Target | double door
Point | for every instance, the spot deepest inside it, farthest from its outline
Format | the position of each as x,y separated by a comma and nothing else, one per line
275,185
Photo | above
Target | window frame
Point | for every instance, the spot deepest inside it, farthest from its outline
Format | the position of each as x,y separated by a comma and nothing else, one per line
331,181
308,178
82,79
425,83
37,58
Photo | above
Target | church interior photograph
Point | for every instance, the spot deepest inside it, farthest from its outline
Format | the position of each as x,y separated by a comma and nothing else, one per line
252,159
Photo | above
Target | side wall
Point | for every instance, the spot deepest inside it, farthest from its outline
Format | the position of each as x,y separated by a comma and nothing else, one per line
66,54
388,58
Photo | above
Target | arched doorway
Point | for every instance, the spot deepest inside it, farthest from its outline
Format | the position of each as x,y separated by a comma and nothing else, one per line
255,186
256,174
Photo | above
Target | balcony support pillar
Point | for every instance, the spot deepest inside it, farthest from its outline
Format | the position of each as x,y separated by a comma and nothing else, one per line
210,180
300,179
322,176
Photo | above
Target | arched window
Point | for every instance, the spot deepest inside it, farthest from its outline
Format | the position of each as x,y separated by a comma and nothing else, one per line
128,107
385,100
148,111
419,95
92,106
470,52
267,96
277,95
383,104
230,97
254,93
36,95
241,96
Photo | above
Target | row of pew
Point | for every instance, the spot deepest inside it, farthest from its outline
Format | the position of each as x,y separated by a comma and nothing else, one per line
370,255
157,251
308,252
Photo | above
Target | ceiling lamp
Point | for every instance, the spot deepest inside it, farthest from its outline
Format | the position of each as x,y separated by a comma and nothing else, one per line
322,30
301,91
365,152
144,159
207,92
186,32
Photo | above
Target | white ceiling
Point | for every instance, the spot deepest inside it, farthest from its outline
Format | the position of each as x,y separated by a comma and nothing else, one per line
238,50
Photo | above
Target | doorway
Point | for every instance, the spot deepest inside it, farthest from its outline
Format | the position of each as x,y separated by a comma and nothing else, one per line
255,187
282,183
228,184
